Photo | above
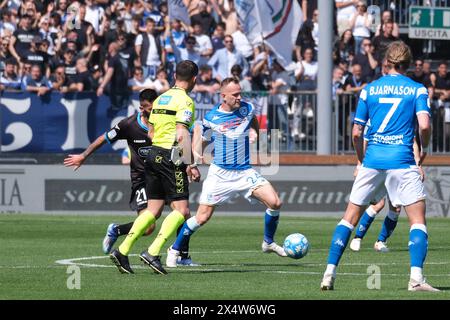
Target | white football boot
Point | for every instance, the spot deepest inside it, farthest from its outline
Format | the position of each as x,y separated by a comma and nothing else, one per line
355,245
414,285
380,246
273,247
327,282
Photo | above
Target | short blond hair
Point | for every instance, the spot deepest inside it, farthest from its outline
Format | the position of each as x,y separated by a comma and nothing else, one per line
398,55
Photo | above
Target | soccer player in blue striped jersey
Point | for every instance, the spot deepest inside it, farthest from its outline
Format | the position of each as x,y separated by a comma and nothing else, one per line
230,126
389,106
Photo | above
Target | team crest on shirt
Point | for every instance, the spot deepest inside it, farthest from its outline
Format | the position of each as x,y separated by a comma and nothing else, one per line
243,111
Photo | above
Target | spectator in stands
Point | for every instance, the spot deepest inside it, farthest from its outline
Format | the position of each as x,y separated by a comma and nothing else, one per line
46,34
356,82
346,46
204,45
97,77
84,29
138,82
25,70
69,62
58,80
155,15
345,11
83,79
260,70
9,79
205,81
161,82
242,44
236,72
21,39
204,18
36,82
419,75
440,82
382,41
94,14
386,16
307,77
149,50
61,9
127,55
225,58
175,36
427,67
304,40
36,56
344,65
366,60
188,53
281,84
218,37
4,50
116,77
337,82
227,14
360,24
6,24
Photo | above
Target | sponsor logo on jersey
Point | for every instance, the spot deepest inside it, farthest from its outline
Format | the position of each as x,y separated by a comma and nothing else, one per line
143,151
164,100
139,141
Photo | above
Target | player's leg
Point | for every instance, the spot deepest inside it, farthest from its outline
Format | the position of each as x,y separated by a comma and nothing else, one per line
138,202
156,196
141,224
389,224
216,189
364,224
268,195
367,187
191,225
405,188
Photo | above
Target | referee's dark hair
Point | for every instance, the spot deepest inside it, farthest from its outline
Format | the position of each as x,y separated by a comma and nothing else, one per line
148,94
186,70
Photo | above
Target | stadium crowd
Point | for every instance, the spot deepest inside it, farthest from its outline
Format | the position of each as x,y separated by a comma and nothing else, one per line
116,47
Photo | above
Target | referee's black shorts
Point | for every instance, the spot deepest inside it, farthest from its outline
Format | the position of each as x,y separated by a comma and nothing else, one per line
165,181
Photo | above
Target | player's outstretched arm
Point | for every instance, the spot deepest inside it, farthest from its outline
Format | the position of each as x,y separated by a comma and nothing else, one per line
76,160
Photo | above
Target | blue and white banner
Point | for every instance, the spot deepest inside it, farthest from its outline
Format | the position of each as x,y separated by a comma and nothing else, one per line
68,123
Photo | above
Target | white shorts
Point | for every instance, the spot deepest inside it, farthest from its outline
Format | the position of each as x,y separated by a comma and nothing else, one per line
403,186
222,184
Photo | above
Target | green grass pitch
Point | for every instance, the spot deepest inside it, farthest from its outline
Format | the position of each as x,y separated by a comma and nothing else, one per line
233,266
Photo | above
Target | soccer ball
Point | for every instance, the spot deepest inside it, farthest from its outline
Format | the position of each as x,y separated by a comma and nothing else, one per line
296,245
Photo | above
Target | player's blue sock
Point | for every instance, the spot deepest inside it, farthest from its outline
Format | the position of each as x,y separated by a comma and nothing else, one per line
389,224
185,247
270,224
188,228
365,222
418,244
339,241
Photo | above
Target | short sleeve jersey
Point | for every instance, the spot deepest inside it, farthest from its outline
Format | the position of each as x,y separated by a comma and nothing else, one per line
388,108
135,132
229,131
169,109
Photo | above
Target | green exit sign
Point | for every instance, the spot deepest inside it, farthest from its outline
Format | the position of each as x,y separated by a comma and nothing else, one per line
429,23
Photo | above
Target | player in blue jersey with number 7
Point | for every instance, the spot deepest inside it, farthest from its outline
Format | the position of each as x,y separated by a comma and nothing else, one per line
389,108
229,127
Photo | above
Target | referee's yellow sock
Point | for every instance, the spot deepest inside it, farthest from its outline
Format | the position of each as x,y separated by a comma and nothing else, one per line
142,222
168,227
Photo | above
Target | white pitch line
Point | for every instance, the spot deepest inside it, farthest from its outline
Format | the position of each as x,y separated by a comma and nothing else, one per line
74,261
